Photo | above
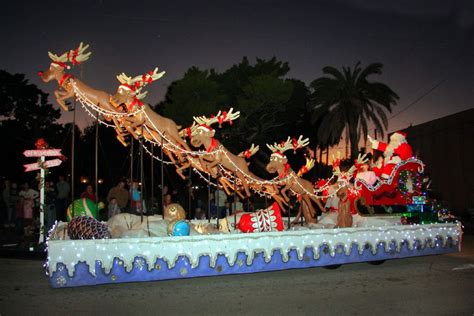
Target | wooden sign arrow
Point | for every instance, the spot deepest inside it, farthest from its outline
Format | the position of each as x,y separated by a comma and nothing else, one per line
50,152
46,164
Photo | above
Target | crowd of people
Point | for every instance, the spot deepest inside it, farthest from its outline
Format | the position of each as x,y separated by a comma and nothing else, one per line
20,203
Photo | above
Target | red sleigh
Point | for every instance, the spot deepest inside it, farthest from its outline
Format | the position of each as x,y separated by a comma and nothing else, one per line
388,191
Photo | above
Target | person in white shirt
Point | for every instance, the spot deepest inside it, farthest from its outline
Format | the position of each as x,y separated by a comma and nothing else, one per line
367,175
29,196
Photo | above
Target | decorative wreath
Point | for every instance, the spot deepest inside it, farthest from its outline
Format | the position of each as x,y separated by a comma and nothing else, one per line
402,183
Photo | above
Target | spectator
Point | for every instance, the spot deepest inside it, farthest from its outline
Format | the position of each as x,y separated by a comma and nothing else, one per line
168,200
237,205
14,200
89,193
29,196
120,194
62,198
136,199
8,203
49,205
221,200
113,207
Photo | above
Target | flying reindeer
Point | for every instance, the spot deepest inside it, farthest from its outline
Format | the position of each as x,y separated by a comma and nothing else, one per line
147,123
200,134
292,181
203,135
66,81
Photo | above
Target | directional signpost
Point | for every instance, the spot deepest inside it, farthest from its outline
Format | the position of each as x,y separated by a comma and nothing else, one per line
41,165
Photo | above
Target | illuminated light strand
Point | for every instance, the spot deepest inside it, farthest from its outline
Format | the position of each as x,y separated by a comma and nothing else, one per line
172,147
98,109
390,178
92,115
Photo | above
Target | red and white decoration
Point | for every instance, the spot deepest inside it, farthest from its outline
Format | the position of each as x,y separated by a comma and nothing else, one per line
266,220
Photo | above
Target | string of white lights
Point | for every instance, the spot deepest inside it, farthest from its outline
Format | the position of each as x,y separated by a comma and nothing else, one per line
100,110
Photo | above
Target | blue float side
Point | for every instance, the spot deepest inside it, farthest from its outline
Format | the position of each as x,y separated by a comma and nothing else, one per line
183,268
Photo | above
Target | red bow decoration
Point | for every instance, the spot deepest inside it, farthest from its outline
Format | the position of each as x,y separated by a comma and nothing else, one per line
146,78
72,55
135,103
212,146
188,132
295,145
41,144
302,170
223,118
321,182
64,78
247,154
283,174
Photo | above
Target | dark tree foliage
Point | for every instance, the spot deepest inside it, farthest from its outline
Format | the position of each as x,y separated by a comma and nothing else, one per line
26,116
348,100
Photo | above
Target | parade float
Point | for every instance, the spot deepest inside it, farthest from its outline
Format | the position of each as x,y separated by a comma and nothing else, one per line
366,216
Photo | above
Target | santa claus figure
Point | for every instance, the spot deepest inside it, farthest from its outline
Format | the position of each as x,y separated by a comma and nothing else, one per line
395,151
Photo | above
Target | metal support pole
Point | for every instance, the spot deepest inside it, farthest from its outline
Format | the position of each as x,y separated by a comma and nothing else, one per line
42,180
290,207
190,191
142,181
152,160
162,182
235,205
216,197
131,171
73,155
208,197
97,162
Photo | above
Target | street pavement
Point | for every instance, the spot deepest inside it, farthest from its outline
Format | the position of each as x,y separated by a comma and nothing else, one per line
432,285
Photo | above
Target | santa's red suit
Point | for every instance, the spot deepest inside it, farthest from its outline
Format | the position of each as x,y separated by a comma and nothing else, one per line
402,151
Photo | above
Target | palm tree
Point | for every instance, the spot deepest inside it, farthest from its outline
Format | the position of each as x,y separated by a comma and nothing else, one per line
348,100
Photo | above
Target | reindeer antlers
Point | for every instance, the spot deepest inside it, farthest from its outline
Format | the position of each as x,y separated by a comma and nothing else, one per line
249,152
137,83
76,56
289,144
221,117
307,167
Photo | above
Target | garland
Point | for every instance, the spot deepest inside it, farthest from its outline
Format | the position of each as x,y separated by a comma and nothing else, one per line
403,179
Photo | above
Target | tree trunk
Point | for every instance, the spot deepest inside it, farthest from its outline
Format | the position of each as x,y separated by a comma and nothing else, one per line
354,140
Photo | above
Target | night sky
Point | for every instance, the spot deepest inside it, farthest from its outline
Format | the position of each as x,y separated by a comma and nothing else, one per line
427,47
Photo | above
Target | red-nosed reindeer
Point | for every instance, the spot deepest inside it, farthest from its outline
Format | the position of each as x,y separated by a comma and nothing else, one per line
291,181
130,95
66,81
203,135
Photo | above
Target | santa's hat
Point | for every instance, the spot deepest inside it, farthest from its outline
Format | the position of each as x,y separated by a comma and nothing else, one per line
400,134
205,128
278,154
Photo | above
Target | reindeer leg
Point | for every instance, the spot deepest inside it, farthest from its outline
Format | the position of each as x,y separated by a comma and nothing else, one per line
179,170
318,203
308,211
298,215
284,190
244,182
61,95
122,141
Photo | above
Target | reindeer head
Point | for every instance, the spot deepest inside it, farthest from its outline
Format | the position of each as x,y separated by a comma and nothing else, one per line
278,160
130,92
203,132
59,63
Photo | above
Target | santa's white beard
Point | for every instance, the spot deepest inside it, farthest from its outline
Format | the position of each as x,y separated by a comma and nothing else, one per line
390,149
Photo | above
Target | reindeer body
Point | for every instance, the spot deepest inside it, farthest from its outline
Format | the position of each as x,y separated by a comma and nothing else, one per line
219,155
290,180
66,81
